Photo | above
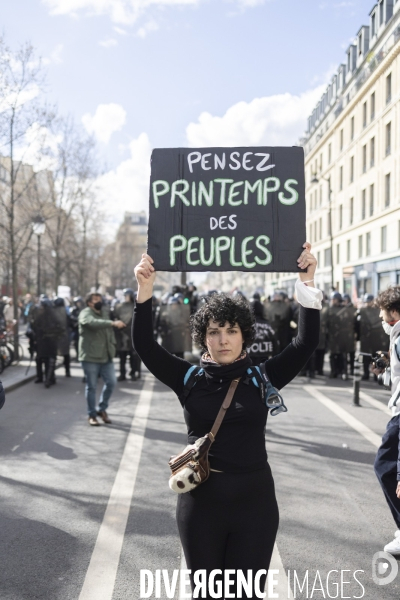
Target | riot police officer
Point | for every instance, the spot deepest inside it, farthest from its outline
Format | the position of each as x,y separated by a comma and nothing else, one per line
370,333
123,311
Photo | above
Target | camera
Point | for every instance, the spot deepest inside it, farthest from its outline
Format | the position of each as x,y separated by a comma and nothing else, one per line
381,361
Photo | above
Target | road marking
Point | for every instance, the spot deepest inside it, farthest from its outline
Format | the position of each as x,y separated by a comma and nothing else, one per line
282,588
375,403
101,574
15,448
365,431
27,436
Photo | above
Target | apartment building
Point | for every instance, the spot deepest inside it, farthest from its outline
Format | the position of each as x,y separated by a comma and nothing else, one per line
352,165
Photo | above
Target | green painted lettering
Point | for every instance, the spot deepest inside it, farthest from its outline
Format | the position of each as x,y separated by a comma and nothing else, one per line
161,192
245,252
180,193
294,193
256,187
271,184
177,243
190,251
221,243
268,255
232,255
232,194
208,194
223,183
207,262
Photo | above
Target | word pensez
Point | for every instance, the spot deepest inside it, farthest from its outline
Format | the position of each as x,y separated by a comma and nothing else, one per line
227,209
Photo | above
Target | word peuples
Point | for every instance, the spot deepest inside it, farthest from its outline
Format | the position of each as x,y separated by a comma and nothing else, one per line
197,254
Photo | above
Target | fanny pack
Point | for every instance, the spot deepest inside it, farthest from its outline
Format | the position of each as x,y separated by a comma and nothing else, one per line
191,467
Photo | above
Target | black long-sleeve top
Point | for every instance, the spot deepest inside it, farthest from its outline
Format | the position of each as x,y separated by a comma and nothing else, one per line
239,445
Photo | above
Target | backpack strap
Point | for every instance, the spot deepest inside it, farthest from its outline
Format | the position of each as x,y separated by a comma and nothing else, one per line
191,377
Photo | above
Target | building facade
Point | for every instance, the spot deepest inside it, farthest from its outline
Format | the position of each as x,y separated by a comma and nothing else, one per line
352,165
122,256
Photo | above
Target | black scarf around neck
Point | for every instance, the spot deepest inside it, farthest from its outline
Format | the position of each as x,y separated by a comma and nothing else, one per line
223,373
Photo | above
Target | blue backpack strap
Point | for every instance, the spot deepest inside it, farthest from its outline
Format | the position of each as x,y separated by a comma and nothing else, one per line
190,379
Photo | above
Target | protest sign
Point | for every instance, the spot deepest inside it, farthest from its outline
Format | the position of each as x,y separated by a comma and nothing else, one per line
227,209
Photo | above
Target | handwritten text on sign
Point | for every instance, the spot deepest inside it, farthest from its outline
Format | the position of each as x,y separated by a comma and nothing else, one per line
227,209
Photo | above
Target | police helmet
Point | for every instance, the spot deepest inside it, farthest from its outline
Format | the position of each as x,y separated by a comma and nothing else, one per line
368,298
336,296
129,292
59,301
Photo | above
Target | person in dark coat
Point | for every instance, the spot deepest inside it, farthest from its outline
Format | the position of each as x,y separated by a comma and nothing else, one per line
264,344
63,340
47,330
123,311
279,314
341,335
370,332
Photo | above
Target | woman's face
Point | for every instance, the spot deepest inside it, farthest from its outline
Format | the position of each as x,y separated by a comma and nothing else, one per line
225,343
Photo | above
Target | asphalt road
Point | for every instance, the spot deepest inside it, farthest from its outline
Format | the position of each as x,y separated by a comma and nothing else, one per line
83,509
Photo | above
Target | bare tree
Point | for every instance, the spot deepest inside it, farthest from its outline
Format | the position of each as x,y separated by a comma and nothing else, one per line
73,174
23,121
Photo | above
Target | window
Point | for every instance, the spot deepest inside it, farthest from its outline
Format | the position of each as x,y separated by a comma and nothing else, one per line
320,162
398,235
383,238
352,128
363,204
372,106
340,178
387,190
360,246
337,254
381,20
372,152
320,228
329,153
360,44
341,216
364,111
371,200
351,211
348,250
373,25
327,257
368,244
319,257
364,159
341,139
352,169
388,88
328,224
388,138
320,195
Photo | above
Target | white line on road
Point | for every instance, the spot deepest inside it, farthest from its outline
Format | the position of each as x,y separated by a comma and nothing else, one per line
100,577
365,431
282,588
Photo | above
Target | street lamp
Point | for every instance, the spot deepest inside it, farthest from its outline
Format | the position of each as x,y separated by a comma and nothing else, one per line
316,180
39,227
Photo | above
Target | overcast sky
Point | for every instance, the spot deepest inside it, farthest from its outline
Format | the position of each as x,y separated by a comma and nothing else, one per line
140,74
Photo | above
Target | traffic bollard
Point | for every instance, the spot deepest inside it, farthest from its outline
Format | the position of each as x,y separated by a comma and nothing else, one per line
356,383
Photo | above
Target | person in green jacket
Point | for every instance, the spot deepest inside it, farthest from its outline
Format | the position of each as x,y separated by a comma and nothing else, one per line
96,353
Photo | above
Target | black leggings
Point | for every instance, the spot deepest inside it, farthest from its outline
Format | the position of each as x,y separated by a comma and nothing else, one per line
230,522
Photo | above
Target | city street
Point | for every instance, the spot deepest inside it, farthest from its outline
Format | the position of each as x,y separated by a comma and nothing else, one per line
84,509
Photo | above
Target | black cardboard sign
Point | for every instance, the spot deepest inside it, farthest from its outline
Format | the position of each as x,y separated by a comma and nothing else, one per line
227,209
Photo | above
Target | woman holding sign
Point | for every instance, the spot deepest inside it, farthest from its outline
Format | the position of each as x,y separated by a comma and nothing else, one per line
229,522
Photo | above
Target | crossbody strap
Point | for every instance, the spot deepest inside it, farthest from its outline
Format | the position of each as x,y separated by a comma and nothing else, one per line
225,405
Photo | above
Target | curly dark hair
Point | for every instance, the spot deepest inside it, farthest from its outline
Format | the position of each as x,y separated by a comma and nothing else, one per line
222,308
389,299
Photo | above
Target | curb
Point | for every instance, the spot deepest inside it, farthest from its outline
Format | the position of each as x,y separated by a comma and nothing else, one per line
21,382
